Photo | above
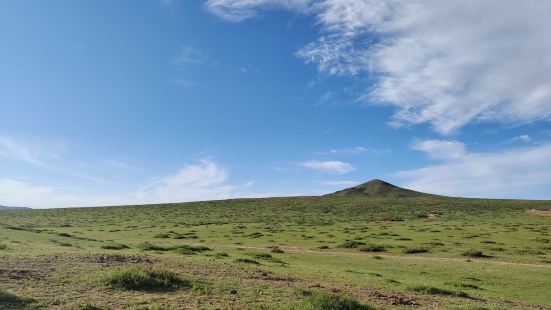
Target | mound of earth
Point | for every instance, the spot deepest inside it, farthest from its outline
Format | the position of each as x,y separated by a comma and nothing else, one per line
378,189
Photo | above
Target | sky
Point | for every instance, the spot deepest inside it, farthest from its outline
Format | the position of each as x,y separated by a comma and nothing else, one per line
133,102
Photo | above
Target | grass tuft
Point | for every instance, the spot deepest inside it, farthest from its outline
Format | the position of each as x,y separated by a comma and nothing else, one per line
414,250
372,248
142,279
115,246
430,290
247,261
351,244
331,301
475,254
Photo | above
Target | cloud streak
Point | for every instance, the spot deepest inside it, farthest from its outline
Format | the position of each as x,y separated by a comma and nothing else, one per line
332,166
204,180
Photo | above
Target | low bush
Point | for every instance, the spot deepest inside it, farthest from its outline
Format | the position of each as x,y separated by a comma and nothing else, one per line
247,261
351,244
372,248
276,250
429,290
414,250
142,279
153,247
190,250
114,246
3,246
474,254
331,301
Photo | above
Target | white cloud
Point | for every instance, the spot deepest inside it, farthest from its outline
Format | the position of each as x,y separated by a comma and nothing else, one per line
357,150
238,10
339,183
334,166
522,138
446,63
14,149
202,181
190,56
516,173
440,149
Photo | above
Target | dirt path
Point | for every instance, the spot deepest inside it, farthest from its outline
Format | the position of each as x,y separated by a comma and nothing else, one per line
408,257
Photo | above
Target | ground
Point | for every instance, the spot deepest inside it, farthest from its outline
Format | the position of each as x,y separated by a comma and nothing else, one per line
425,252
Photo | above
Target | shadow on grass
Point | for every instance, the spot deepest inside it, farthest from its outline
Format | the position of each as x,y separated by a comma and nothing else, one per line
12,301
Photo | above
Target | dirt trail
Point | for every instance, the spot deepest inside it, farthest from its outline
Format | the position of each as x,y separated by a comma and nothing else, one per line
408,257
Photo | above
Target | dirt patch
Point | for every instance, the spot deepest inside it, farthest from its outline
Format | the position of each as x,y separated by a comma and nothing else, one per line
394,298
118,259
19,274
268,276
540,212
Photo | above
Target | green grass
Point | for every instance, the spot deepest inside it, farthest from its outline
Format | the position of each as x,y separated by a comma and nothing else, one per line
142,279
12,301
115,246
267,249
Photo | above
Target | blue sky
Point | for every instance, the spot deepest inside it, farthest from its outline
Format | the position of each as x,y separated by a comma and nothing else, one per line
128,102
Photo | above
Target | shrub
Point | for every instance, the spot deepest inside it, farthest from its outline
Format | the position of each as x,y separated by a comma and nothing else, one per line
3,246
429,290
331,301
414,250
277,250
87,305
372,248
189,249
64,235
141,279
114,246
247,261
351,244
474,253
323,247
153,247
263,256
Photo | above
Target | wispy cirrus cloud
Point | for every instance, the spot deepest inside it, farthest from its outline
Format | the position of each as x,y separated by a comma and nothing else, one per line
339,183
48,155
204,180
332,166
513,173
446,63
440,149
14,149
357,150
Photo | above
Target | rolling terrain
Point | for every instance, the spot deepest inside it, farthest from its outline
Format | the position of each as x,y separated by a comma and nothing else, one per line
373,246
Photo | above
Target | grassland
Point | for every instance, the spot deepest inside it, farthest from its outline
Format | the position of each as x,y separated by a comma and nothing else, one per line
280,253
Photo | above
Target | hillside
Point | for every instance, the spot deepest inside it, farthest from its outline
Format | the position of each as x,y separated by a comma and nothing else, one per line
425,252
4,208
378,189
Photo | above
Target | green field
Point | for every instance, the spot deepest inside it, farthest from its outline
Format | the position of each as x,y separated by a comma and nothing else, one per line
280,253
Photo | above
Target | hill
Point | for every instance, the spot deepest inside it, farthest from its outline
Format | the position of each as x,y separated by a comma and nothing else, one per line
5,208
378,189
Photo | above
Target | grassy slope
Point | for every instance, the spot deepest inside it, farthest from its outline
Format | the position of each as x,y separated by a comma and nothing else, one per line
43,246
